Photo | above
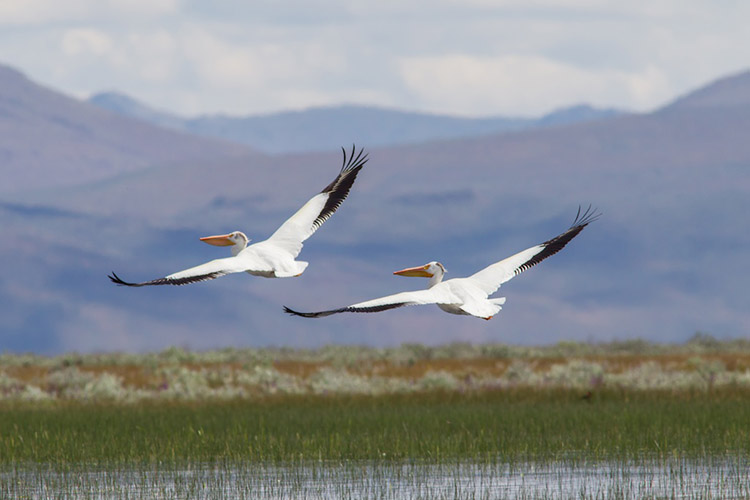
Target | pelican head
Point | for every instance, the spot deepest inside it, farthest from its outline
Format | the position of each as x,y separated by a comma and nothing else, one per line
237,240
433,270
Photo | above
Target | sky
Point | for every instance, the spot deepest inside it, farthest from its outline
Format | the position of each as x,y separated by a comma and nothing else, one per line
460,57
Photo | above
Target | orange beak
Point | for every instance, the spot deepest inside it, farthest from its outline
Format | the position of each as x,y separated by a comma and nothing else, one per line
419,272
221,240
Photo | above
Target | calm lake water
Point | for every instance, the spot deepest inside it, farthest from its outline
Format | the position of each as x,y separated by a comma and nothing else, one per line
674,478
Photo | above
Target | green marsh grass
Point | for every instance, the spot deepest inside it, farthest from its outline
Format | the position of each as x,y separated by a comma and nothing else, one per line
438,427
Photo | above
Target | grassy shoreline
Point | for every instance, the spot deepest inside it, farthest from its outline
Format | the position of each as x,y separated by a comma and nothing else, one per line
175,374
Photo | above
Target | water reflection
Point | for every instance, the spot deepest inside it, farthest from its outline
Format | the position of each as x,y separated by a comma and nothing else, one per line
674,478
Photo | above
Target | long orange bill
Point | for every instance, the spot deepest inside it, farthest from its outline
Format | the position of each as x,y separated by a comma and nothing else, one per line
221,240
419,272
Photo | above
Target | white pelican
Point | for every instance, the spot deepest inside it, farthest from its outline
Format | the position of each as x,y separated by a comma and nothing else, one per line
274,257
466,296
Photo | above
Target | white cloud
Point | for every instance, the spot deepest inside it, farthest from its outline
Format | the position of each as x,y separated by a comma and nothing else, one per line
476,58
85,41
231,64
148,57
37,12
513,84
265,75
152,55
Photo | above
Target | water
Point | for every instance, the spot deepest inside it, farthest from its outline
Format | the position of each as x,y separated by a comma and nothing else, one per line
673,478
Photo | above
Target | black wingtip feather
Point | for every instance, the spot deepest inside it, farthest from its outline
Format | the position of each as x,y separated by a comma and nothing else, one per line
554,245
354,162
338,190
587,217
116,279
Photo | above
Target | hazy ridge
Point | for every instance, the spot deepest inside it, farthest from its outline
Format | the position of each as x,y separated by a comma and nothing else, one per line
325,128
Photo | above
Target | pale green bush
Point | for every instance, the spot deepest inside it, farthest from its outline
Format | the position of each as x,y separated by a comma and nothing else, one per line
32,393
575,373
268,380
69,383
105,387
438,380
520,373
182,383
651,375
9,386
332,381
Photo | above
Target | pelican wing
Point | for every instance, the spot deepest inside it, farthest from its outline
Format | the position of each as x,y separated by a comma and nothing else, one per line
204,272
418,297
315,212
490,278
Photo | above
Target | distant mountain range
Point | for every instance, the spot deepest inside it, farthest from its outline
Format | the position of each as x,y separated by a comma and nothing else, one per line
664,261
324,129
49,140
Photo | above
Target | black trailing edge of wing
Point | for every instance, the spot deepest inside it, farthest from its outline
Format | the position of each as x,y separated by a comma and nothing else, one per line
166,281
322,314
338,190
551,247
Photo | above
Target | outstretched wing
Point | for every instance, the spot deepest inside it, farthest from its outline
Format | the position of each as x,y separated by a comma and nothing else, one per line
490,278
315,212
394,301
204,272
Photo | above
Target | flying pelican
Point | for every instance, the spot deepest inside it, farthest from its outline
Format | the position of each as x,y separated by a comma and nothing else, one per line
274,257
466,296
